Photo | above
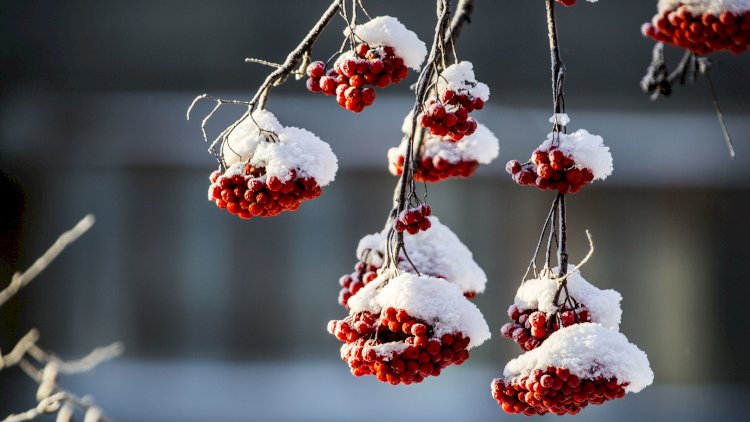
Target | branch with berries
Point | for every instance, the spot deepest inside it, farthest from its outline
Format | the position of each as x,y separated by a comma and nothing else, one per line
410,314
700,27
45,367
574,354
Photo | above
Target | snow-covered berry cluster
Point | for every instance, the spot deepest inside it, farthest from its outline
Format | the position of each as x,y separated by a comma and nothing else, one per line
270,168
413,220
702,26
404,328
534,315
385,52
564,162
247,193
576,366
458,94
437,252
438,158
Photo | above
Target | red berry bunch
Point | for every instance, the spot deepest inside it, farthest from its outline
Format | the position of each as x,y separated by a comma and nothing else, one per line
566,3
250,193
550,169
413,220
377,66
554,390
450,117
435,169
368,339
703,33
352,283
531,327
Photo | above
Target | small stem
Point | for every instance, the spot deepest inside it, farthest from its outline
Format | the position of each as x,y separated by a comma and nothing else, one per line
562,252
557,64
706,70
462,16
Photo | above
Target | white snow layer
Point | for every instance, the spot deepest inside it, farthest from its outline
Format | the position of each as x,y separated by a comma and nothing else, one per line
437,251
388,31
460,76
698,7
243,140
561,119
587,151
603,305
589,351
433,300
481,146
266,143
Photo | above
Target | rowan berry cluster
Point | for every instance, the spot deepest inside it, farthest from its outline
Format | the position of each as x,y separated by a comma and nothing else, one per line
354,73
395,347
554,390
249,193
550,169
530,327
701,33
413,220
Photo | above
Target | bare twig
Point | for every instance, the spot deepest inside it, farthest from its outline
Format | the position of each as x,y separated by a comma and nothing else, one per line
705,69
84,364
23,345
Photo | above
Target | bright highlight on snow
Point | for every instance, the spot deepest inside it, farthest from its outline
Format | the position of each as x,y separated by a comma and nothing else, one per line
459,78
433,300
389,31
539,294
589,351
437,252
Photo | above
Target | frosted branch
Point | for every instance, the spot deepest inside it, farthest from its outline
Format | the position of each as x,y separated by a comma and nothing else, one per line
21,279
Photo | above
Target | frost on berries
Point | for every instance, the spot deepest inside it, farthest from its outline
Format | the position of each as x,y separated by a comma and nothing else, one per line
405,328
413,220
578,365
534,315
439,157
702,26
271,168
458,93
437,252
385,52
564,162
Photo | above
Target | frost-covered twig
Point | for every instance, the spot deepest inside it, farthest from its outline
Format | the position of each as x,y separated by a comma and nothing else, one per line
50,396
295,59
21,279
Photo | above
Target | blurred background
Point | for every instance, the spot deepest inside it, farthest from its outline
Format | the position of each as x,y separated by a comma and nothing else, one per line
224,319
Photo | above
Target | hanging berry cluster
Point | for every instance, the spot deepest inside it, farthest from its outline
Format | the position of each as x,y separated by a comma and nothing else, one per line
574,355
437,252
438,158
702,26
457,93
381,51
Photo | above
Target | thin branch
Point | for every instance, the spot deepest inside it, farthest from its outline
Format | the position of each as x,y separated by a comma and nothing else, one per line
84,364
462,16
20,349
21,279
705,69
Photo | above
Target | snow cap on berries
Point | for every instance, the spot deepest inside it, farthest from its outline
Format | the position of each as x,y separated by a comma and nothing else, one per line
589,351
437,251
433,300
587,150
242,141
300,150
481,146
388,31
460,76
602,305
698,7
